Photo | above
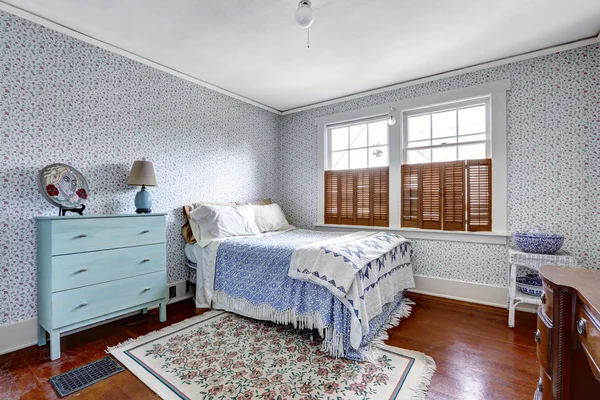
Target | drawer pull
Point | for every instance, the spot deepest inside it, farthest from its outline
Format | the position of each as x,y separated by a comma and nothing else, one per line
581,326
85,303
145,260
543,297
146,289
82,235
83,270
146,231
540,385
537,336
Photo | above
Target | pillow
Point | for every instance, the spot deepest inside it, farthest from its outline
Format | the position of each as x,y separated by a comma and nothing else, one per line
223,221
190,229
270,218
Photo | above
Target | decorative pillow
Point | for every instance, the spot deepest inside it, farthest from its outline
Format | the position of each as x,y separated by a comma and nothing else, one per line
190,229
270,218
223,221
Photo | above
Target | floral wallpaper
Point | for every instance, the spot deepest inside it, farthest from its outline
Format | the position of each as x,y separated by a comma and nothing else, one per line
553,161
63,100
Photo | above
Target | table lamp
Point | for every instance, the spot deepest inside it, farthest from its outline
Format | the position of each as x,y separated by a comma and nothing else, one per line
142,174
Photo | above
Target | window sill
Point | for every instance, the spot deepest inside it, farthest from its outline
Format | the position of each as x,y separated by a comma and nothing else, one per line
500,238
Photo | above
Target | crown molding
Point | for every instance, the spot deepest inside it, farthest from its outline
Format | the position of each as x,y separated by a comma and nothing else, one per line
460,71
81,36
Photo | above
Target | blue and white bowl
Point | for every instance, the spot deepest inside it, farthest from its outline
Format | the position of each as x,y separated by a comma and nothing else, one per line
530,284
538,242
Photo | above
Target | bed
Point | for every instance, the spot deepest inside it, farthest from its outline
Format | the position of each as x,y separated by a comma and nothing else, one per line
348,287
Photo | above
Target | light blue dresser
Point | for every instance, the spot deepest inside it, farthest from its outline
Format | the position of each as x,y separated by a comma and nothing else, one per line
92,268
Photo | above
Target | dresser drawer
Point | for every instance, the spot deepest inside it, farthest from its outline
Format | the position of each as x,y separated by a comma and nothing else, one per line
544,387
75,305
543,338
588,334
547,299
71,271
76,235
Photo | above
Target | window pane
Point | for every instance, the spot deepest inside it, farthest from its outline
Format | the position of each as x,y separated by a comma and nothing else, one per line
419,127
471,120
378,132
339,139
444,154
444,123
418,156
358,158
471,151
339,159
358,136
444,141
471,138
378,156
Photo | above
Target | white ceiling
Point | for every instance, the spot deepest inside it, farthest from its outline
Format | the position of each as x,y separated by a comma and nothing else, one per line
255,49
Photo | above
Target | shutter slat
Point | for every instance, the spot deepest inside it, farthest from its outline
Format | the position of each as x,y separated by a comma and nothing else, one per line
410,196
347,197
479,195
431,199
454,196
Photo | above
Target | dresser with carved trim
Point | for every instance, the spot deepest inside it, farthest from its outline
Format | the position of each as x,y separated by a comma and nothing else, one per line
568,334
95,267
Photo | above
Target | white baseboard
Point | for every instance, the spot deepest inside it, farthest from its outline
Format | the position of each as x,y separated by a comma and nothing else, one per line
24,333
479,293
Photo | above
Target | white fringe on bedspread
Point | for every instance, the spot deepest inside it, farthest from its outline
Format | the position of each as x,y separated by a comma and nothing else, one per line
333,343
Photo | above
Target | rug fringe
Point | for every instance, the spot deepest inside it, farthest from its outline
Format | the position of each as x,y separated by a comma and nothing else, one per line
166,329
420,392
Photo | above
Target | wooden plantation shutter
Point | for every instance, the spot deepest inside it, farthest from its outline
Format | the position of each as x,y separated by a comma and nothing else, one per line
445,196
410,196
454,196
331,198
346,198
363,198
479,195
431,196
380,195
357,197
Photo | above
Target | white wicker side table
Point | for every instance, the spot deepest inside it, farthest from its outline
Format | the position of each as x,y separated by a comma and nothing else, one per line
532,261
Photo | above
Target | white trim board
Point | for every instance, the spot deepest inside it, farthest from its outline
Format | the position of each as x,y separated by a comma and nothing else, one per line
23,334
478,293
122,52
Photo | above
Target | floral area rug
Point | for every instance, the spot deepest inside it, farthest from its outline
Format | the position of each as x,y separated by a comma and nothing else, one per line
219,355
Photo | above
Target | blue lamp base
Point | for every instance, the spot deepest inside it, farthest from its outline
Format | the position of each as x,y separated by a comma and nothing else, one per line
143,201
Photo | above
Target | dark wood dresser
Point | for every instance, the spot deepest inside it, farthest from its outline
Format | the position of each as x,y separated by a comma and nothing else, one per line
568,334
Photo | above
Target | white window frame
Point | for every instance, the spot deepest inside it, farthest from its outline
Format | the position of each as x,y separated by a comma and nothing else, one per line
498,153
348,124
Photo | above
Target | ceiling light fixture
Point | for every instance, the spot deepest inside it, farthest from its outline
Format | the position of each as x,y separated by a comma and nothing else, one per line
304,14
391,120
305,17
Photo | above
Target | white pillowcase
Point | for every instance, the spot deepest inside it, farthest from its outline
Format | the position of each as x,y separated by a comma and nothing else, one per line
270,218
224,221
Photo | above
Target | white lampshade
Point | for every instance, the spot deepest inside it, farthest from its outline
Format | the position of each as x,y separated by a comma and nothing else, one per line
142,174
304,14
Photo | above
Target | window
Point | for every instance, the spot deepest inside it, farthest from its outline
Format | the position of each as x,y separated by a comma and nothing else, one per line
357,174
448,132
437,161
446,177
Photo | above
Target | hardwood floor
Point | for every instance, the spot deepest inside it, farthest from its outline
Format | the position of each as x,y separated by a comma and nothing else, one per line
477,355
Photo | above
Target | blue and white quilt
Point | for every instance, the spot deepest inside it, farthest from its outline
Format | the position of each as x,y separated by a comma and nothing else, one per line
345,286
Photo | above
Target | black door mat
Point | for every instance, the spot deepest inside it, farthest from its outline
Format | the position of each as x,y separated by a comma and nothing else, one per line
82,377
